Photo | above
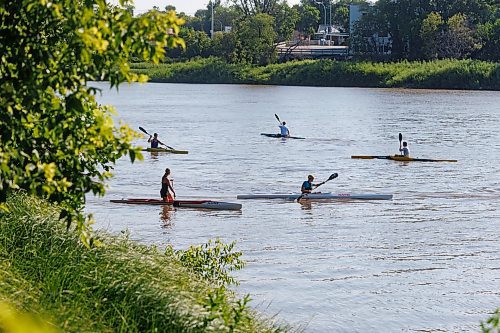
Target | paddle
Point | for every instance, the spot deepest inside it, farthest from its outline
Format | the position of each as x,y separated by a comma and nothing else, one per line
332,176
142,129
400,139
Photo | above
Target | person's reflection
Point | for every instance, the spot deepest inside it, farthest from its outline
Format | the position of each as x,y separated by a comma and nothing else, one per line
305,204
154,155
166,216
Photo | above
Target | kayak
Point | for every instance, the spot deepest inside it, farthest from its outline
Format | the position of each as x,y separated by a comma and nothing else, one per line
205,204
317,196
401,158
270,135
166,150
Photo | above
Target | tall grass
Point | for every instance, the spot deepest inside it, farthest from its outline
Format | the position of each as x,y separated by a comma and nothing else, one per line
117,287
439,74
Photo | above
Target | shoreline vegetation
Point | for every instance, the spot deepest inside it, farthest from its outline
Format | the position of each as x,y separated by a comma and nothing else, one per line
48,276
437,74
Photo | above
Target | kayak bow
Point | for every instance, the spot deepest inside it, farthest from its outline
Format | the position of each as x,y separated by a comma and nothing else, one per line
318,196
270,135
400,158
205,204
166,150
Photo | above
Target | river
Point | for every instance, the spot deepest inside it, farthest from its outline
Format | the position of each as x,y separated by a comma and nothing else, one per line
428,260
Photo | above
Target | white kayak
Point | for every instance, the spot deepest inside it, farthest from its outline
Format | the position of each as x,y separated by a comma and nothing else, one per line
318,196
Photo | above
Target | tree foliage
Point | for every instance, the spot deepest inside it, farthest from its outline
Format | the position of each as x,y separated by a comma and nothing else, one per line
430,32
286,19
489,36
406,20
253,7
308,19
255,39
56,140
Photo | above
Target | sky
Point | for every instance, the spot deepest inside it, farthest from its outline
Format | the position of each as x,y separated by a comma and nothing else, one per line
187,6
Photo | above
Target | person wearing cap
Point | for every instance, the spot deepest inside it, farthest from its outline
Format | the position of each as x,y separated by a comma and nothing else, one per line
154,141
284,131
308,185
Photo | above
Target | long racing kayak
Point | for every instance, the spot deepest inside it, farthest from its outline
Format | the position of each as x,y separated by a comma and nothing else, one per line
318,196
166,150
205,204
401,158
270,135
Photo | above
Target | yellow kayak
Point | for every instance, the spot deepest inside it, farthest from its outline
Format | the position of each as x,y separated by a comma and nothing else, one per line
166,150
401,158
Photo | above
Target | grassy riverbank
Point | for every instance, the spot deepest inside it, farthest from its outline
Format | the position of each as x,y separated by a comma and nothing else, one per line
440,74
47,273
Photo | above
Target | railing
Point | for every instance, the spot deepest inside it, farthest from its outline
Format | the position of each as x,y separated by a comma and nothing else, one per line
312,53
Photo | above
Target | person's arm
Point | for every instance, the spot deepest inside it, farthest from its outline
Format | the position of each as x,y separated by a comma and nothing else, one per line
161,143
150,137
169,184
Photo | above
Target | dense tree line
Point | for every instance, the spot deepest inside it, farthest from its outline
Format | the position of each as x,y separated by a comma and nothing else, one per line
428,29
414,30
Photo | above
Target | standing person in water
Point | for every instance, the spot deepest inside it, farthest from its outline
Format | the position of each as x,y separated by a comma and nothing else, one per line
405,151
154,141
166,187
284,131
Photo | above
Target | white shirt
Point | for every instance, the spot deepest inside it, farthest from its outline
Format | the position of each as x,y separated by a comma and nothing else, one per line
406,151
284,130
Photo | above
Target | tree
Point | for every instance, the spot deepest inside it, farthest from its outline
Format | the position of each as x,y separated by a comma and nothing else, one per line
458,40
489,37
169,8
56,140
431,34
223,46
308,19
286,19
198,43
253,7
255,37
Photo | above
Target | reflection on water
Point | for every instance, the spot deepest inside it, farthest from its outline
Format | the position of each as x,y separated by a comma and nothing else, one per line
166,216
425,261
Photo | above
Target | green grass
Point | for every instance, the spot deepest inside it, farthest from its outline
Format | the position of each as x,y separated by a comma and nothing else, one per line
439,74
121,286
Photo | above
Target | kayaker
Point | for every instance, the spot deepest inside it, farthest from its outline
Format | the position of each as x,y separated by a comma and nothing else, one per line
166,185
154,141
308,185
405,151
285,132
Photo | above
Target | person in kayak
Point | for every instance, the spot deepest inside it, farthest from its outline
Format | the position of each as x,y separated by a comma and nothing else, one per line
154,141
405,151
284,131
166,185
308,185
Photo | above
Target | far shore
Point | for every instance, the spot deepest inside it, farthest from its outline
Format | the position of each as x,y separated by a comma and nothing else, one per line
438,74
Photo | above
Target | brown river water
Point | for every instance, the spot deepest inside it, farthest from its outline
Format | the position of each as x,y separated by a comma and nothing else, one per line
426,261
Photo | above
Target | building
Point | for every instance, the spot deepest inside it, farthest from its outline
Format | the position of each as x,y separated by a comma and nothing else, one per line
379,43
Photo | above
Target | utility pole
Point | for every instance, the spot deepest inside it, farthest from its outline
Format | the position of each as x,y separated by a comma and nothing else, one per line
212,23
330,13
324,9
